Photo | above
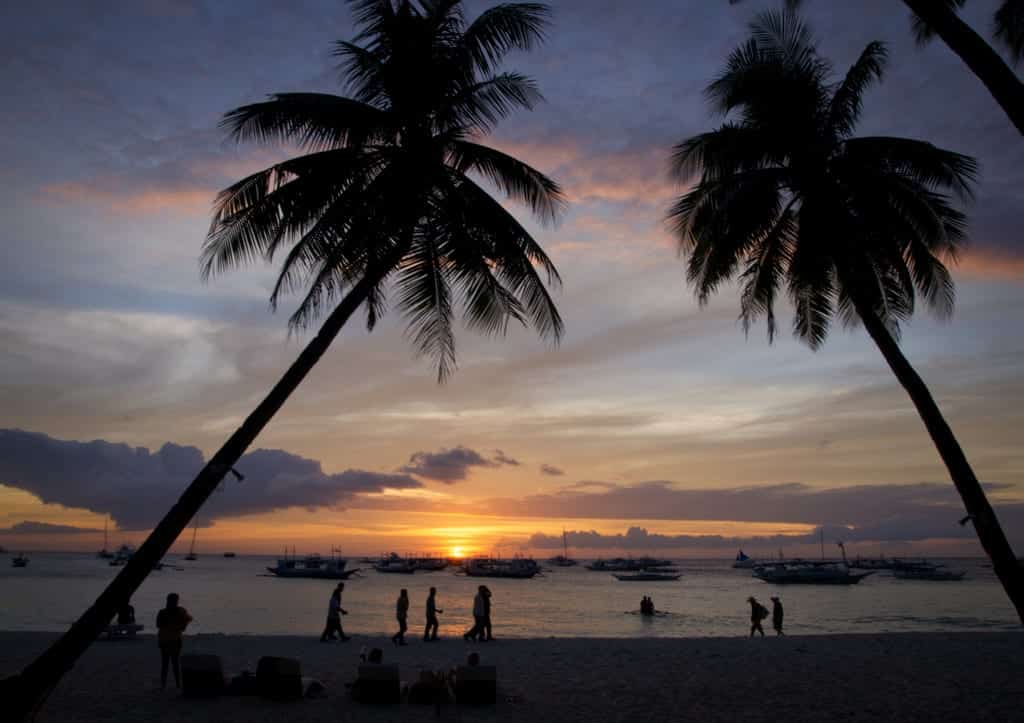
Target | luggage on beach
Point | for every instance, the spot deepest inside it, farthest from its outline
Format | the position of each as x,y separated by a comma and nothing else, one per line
279,678
201,676
476,685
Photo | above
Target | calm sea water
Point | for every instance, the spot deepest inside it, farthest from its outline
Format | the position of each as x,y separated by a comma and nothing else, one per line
235,595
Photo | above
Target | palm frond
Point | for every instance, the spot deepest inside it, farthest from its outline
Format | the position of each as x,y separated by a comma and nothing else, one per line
514,178
845,108
1009,27
425,297
922,161
313,121
483,104
923,32
502,28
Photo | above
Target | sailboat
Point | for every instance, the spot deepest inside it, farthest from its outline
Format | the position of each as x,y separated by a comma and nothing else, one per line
192,550
105,554
563,560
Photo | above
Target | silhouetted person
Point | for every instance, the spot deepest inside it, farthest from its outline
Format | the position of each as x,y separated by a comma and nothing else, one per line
758,612
777,614
170,624
485,631
478,616
473,660
402,615
126,615
431,631
334,613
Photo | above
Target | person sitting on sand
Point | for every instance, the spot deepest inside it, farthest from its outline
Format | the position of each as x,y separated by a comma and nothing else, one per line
777,614
402,615
170,624
758,612
334,613
432,610
126,615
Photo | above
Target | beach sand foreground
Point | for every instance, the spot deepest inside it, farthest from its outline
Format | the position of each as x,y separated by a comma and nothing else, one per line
901,677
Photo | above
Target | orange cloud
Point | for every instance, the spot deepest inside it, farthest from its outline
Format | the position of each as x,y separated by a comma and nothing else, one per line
127,201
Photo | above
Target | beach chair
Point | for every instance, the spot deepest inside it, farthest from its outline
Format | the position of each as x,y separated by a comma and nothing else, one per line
122,631
279,678
202,676
377,684
476,685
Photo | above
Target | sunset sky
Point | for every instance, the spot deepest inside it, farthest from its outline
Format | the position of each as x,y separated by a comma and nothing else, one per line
654,426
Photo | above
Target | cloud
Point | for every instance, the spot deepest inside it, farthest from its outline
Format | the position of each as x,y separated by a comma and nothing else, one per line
452,465
551,470
135,486
31,527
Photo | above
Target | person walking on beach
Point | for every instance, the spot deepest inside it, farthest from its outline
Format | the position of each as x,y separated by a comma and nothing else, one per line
478,616
431,632
485,631
402,614
170,624
334,613
777,616
758,612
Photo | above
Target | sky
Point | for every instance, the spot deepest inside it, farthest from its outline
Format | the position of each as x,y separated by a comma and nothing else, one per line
655,425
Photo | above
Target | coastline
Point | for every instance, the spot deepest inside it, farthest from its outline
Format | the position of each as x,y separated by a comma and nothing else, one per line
851,677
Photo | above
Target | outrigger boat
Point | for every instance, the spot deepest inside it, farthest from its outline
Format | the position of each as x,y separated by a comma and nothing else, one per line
647,577
312,566
517,567
927,571
393,563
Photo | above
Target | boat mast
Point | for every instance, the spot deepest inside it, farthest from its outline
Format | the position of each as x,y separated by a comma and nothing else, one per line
565,545
821,539
192,549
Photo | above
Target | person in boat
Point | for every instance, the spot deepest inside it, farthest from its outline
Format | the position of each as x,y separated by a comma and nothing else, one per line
777,614
478,615
170,624
402,615
758,612
126,615
334,613
485,632
432,610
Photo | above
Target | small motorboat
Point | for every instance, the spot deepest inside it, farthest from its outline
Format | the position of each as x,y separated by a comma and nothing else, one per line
229,554
927,571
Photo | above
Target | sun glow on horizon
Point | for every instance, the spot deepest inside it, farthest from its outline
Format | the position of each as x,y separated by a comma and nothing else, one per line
458,552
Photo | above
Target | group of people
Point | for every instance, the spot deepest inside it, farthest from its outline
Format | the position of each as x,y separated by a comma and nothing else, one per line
647,606
481,630
759,612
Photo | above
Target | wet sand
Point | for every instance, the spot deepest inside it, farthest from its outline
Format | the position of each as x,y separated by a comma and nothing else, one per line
903,677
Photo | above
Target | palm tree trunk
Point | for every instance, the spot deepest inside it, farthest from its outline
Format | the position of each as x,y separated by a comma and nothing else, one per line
979,56
986,524
24,693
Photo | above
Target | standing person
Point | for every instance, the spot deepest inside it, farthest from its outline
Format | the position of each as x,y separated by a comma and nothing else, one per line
485,632
334,613
758,612
402,614
478,615
431,631
170,624
777,615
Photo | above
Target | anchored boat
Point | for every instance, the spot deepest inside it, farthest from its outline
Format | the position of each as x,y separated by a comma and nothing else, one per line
313,566
517,567
646,577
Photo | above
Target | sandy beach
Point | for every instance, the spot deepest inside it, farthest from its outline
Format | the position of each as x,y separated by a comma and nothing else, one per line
904,677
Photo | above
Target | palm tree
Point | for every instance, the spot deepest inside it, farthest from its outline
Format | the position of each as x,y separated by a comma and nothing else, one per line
382,201
854,227
940,17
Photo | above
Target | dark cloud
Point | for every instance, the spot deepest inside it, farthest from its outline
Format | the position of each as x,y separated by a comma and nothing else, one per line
135,486
31,527
551,470
452,465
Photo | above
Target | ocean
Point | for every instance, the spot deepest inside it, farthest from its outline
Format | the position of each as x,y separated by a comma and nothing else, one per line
237,596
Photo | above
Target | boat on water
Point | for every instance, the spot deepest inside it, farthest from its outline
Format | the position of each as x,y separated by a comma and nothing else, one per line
229,554
430,564
516,567
927,571
19,561
646,577
124,554
628,564
807,572
313,566
563,560
393,563
872,563
105,554
744,561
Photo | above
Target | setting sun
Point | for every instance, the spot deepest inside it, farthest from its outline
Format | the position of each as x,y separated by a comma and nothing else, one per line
458,552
